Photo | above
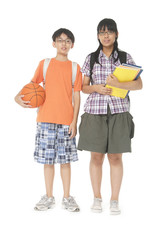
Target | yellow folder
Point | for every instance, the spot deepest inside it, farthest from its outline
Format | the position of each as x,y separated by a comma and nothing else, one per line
123,74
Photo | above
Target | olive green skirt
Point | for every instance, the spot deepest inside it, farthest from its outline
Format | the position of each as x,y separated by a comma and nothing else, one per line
106,133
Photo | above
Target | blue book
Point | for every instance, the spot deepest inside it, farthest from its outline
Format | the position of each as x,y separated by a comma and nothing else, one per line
132,65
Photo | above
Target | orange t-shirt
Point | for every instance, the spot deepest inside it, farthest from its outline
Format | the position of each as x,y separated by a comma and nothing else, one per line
57,107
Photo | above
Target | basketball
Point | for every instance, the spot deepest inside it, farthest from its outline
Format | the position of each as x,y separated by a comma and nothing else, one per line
34,93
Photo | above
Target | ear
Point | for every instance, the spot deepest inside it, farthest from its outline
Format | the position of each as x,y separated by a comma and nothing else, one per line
54,44
72,45
117,35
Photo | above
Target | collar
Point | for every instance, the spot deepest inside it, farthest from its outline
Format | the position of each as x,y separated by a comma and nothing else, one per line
102,55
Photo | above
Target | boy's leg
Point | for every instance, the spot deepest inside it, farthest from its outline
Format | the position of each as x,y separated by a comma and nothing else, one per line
116,174
49,177
66,178
68,201
96,172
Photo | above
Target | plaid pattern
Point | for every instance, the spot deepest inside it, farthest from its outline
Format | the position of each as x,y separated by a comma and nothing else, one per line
97,103
53,145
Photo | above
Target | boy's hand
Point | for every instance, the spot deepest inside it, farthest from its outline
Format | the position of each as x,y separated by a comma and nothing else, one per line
22,103
72,130
101,89
113,81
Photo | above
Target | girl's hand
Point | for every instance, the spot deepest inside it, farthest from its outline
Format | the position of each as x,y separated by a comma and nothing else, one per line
20,101
72,130
113,81
101,89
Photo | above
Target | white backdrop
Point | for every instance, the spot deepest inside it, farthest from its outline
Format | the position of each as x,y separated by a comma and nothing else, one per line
26,31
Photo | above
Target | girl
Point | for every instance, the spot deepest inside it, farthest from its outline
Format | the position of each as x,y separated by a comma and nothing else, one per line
106,126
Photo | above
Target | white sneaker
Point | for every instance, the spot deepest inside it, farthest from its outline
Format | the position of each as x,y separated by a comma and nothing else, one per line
70,204
45,203
97,205
114,207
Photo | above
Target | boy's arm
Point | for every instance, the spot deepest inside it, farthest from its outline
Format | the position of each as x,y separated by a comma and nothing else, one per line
73,125
76,100
18,99
38,78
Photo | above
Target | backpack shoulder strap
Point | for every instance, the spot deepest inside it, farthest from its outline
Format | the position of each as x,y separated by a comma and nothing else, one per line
45,67
122,56
74,72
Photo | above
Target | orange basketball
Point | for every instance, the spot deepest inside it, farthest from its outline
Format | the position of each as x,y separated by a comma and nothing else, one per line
34,93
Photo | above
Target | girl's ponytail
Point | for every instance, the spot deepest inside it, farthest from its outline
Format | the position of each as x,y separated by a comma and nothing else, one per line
115,49
94,59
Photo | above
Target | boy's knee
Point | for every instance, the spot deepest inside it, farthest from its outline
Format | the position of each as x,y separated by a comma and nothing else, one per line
65,165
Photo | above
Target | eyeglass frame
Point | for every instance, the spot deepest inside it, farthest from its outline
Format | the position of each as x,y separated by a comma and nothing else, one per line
108,32
59,40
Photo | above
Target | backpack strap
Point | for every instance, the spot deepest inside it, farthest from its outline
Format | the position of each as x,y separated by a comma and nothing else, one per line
122,57
74,72
45,67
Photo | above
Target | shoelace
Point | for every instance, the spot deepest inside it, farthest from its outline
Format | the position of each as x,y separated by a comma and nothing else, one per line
43,198
97,201
72,201
114,204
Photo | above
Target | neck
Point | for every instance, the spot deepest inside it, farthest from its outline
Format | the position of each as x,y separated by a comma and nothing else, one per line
108,50
61,57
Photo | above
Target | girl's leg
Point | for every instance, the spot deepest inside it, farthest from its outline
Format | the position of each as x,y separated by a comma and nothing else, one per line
116,174
96,172
49,177
66,178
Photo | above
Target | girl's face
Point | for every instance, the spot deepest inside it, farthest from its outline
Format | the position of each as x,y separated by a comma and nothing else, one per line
107,37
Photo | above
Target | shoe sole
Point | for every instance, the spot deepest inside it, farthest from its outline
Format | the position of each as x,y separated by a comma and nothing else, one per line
96,210
43,209
76,210
115,213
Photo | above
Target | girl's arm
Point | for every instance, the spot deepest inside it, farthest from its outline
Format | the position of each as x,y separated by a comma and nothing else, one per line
133,85
99,88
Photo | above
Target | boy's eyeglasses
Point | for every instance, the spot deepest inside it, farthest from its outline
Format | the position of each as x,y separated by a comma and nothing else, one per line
103,33
67,41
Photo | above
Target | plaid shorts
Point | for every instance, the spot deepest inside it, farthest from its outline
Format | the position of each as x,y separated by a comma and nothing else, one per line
53,145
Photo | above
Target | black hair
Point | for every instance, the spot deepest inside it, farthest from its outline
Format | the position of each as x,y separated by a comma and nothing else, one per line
65,31
112,26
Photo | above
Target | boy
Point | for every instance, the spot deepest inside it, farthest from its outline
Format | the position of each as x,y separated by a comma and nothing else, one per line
57,120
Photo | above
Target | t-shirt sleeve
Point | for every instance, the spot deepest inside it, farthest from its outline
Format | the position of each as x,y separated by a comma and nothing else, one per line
38,75
130,60
78,81
86,66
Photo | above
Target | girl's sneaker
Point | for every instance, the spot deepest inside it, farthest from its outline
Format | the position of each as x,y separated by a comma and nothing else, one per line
70,204
97,205
45,203
114,207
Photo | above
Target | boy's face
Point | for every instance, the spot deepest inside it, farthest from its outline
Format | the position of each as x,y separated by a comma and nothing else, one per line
63,44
